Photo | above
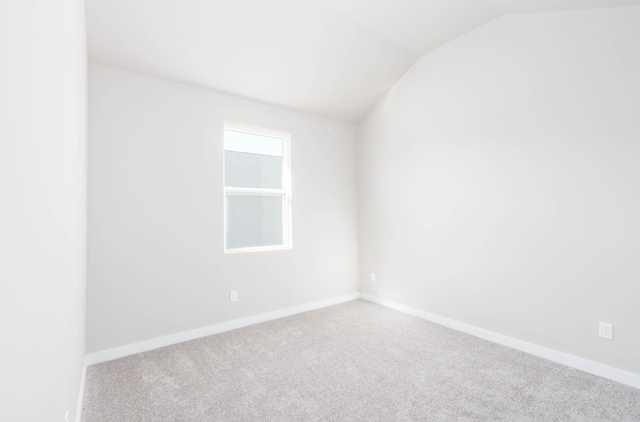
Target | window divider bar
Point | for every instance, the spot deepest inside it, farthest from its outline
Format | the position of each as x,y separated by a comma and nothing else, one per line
254,191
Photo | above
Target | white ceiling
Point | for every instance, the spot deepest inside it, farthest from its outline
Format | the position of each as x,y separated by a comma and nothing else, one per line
511,7
293,53
331,57
417,25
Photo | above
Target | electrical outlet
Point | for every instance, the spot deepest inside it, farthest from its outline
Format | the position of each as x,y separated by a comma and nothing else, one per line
606,330
233,296
66,416
373,277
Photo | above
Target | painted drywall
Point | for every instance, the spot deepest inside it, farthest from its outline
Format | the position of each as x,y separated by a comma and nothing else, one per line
499,183
42,208
156,252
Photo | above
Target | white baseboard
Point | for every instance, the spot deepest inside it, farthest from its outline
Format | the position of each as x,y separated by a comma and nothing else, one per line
83,378
585,365
143,346
582,364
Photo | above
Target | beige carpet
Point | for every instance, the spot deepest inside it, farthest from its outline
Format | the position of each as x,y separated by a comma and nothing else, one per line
352,362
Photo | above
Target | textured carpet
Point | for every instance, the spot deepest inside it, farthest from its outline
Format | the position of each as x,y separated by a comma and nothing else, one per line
352,362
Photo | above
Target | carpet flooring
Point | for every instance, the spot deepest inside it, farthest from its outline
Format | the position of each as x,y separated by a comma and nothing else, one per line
356,361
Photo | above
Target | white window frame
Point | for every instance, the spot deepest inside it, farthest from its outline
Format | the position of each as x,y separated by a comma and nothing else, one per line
285,192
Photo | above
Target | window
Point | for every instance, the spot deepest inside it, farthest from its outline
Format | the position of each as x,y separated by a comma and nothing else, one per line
257,190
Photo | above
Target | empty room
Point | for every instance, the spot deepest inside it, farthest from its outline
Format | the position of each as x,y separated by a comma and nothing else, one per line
319,210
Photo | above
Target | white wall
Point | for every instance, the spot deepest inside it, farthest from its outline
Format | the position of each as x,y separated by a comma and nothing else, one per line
499,183
42,208
156,261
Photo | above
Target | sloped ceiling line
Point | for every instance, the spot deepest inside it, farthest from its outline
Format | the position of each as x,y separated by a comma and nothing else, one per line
335,58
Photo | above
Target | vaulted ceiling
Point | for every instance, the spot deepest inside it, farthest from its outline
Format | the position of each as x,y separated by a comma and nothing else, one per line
330,57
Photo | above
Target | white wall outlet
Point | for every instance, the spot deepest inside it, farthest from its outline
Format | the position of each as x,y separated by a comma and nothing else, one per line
233,296
606,330
372,276
66,416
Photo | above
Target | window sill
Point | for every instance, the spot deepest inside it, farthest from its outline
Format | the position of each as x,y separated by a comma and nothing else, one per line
257,249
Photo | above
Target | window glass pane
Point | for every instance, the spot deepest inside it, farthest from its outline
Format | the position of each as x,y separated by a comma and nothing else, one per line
254,220
252,161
